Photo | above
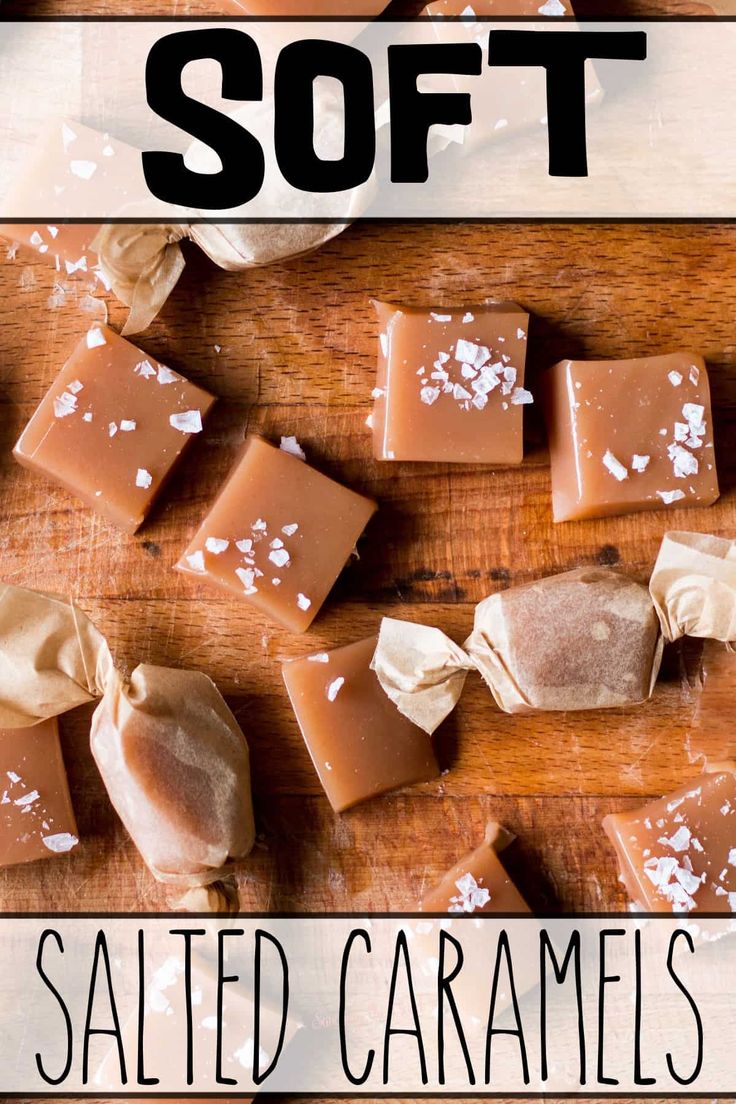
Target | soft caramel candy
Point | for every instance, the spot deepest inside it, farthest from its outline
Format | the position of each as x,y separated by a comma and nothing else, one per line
479,882
298,9
112,427
504,101
679,853
72,168
450,383
36,815
630,435
360,744
279,533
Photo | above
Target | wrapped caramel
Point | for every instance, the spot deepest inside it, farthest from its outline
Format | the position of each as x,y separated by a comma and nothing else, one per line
585,639
693,587
172,756
143,263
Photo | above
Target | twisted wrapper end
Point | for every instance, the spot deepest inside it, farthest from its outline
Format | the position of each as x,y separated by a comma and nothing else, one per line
693,587
421,670
221,897
52,658
142,265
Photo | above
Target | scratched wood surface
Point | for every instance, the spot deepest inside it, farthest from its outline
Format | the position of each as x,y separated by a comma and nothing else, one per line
297,357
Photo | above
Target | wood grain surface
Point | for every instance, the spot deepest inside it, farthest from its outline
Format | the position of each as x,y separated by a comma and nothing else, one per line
298,357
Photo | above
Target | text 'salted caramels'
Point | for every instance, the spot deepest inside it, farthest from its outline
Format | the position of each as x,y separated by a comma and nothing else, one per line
360,744
450,384
279,534
112,427
679,853
36,815
479,882
630,435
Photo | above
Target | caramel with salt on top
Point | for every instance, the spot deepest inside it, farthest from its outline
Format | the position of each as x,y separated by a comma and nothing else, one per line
75,169
36,815
505,102
629,435
360,744
279,533
678,854
478,882
450,383
112,427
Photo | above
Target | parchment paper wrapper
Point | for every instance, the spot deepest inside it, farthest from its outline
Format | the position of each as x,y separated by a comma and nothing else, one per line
172,756
144,263
585,639
693,587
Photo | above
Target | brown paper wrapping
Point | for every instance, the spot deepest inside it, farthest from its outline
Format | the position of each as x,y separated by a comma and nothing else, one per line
144,263
584,639
172,756
693,587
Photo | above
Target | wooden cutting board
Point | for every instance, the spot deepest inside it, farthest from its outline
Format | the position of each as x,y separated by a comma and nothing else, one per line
298,357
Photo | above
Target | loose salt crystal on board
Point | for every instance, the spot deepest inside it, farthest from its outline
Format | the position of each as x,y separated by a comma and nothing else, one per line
279,556
320,657
216,545
217,348
292,446
303,602
60,842
127,425
165,375
145,369
334,688
668,497
615,467
95,338
369,421
143,478
75,266
640,463
675,378
521,397
85,170
36,238
187,421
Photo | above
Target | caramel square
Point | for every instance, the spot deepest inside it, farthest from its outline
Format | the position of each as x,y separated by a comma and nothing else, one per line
278,534
360,744
112,427
36,815
678,854
450,384
628,435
